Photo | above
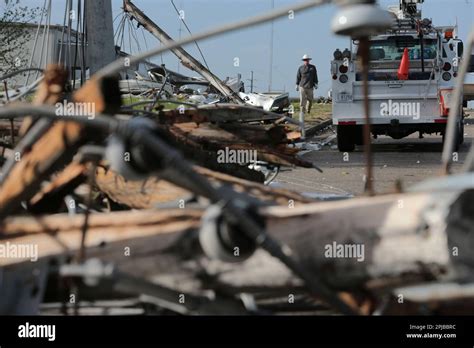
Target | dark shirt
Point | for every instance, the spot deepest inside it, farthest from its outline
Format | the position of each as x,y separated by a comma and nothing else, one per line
307,76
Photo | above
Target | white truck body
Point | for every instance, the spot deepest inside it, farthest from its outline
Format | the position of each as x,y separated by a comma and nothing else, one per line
398,107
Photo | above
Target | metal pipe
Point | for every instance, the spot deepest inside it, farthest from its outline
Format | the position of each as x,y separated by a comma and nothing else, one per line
14,73
364,48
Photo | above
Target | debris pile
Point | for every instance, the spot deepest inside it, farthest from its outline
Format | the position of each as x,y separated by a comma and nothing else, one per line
157,204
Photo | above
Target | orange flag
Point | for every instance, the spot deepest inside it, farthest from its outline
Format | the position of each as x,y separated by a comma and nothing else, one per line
404,66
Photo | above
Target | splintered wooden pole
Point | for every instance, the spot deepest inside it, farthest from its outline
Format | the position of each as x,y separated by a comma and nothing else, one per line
146,194
394,237
187,60
50,198
34,166
59,235
56,147
49,92
371,243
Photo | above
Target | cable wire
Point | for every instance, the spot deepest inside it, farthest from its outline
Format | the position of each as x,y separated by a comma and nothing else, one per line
189,31
119,65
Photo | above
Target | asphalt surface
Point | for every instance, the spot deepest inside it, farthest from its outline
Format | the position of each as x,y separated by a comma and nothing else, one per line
409,160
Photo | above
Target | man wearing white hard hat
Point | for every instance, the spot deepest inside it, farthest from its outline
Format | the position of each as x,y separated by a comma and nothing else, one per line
306,82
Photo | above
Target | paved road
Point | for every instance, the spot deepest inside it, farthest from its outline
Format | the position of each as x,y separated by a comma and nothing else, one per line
409,160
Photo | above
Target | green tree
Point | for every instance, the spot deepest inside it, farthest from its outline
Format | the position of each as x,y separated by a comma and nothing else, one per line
14,34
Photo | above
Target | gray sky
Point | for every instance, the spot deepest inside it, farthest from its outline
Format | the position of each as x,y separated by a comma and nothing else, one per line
308,33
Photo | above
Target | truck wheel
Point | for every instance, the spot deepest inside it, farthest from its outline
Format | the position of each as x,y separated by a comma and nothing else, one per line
345,139
457,144
458,136
359,135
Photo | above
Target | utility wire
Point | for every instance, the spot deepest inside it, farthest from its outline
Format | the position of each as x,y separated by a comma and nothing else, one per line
189,31
119,65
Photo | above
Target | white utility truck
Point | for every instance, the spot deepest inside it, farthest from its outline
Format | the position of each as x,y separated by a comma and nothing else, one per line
406,94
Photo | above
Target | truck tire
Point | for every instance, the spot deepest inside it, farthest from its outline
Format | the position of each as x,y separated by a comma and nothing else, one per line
458,136
359,135
345,139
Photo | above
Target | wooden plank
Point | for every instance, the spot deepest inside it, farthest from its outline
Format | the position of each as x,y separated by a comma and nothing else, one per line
50,198
218,113
143,194
149,193
56,147
61,234
260,191
403,237
396,252
49,92
212,138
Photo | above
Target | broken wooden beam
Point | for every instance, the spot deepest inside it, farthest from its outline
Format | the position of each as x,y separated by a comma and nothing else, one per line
49,92
61,234
151,192
366,240
56,147
50,198
212,138
185,58
369,243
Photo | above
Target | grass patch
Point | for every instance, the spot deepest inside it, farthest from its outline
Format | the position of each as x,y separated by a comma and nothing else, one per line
319,112
132,100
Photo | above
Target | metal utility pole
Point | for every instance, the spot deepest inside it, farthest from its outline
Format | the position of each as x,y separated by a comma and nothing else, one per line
187,60
100,34
270,82
180,31
251,81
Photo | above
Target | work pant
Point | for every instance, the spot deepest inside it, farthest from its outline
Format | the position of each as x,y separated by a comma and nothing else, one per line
306,99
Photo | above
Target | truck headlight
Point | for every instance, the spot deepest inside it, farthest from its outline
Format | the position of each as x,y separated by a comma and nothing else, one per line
446,66
343,69
446,76
343,78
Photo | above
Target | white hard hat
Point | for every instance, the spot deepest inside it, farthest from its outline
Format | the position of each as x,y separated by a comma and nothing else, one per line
306,57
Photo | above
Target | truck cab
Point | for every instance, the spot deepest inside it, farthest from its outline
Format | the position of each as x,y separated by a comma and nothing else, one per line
417,101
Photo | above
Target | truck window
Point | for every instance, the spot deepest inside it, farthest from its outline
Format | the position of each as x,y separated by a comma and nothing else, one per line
392,49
